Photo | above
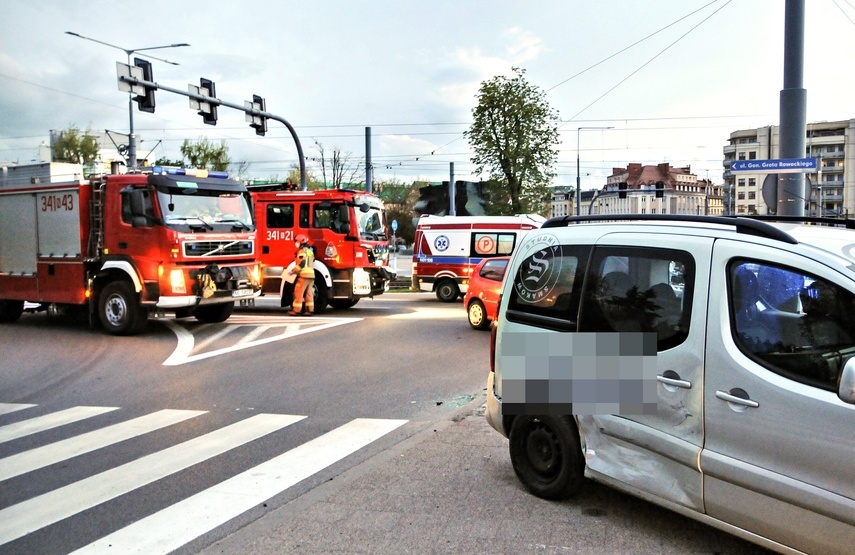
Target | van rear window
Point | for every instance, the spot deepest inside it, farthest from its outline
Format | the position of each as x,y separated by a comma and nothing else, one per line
548,285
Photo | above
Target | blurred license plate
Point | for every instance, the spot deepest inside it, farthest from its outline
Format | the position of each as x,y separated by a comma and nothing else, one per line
242,293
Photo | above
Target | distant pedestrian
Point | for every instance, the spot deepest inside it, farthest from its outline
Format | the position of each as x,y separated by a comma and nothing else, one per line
304,268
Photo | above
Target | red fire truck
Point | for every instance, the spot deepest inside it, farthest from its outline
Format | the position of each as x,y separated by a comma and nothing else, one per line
121,246
347,230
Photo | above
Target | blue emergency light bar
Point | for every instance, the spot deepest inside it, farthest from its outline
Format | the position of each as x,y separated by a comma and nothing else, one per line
190,172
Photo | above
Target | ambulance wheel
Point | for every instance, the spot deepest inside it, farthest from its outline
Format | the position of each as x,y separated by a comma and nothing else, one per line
447,291
10,311
547,455
214,313
119,311
321,293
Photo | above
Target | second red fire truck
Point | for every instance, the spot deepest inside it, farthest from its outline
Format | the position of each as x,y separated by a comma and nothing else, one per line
347,230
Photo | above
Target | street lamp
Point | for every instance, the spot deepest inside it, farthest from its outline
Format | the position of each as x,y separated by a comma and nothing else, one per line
132,146
578,169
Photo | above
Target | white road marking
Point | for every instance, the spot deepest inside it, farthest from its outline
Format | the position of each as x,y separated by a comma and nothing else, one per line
169,529
6,408
48,421
47,455
181,354
46,509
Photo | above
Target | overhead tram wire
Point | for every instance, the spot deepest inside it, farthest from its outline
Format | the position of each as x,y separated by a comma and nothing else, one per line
642,66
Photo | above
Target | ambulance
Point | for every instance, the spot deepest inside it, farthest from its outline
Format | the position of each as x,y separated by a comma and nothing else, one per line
447,248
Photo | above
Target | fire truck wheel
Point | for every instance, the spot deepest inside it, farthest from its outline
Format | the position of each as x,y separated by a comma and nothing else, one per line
343,304
447,291
321,293
214,313
119,311
10,311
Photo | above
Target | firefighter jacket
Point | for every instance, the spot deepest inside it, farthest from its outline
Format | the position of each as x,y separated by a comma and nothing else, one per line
305,265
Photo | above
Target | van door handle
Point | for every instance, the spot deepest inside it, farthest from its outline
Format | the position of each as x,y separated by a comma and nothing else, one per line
737,400
669,377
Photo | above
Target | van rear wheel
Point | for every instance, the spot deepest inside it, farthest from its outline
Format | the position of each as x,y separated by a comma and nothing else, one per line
447,291
547,455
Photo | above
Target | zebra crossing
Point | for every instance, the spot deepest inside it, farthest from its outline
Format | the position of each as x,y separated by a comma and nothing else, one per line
173,526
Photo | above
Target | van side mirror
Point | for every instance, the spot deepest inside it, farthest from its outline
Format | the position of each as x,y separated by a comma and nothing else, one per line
846,389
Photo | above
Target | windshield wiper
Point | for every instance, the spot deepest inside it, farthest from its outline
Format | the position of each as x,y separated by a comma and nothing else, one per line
240,224
187,219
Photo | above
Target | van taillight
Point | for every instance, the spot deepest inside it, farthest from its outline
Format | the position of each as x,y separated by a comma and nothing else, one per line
493,334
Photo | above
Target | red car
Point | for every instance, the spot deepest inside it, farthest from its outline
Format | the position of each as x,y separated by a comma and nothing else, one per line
485,286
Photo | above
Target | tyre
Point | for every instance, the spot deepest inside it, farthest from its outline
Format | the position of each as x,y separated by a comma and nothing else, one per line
287,295
321,293
119,310
546,455
343,304
447,291
10,311
477,315
214,313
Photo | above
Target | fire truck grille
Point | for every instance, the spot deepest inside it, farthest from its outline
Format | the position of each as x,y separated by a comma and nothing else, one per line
211,249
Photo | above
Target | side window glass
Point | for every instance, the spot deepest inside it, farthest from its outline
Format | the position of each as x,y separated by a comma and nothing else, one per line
304,216
547,287
640,290
148,206
794,323
493,244
322,217
494,269
280,216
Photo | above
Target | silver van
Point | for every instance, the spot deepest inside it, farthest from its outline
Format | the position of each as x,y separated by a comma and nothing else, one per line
704,364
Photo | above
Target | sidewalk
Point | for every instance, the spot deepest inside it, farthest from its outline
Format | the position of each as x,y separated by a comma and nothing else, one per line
451,489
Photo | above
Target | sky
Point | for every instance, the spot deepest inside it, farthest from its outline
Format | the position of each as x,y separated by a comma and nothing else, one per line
672,78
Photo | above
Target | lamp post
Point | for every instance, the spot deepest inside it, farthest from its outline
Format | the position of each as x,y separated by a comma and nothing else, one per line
132,146
578,168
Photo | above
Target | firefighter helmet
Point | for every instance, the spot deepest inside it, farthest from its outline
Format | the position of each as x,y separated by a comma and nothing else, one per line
301,239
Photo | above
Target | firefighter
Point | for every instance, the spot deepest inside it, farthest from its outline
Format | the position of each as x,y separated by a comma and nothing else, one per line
304,267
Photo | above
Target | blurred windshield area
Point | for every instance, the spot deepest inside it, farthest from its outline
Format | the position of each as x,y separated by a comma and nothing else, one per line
209,206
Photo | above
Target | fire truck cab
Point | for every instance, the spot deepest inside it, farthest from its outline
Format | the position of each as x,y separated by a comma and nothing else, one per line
117,247
346,229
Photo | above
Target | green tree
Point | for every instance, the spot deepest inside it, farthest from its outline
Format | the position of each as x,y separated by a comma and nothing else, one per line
515,138
400,200
71,146
205,154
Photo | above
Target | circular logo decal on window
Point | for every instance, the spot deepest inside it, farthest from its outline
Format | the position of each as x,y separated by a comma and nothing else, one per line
539,272
441,243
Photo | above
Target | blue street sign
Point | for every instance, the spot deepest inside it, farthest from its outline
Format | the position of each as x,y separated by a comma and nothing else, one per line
394,225
785,165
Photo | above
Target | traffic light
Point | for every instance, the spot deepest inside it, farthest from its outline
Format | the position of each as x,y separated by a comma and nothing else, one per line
209,118
660,189
145,101
621,187
259,123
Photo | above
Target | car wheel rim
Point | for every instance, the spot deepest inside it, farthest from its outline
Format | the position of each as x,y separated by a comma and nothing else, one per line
476,315
115,310
543,451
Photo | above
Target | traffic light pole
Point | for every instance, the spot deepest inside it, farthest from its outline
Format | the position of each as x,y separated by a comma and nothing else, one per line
213,102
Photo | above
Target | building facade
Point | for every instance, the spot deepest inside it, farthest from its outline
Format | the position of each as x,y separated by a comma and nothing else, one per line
831,190
659,189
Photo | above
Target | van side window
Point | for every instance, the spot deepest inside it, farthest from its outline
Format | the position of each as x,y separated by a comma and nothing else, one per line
793,323
280,216
639,289
547,288
492,244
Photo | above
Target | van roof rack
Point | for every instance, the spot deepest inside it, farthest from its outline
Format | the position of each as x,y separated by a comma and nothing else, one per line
748,226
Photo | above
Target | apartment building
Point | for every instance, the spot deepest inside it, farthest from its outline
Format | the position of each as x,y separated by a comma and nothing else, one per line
659,189
831,189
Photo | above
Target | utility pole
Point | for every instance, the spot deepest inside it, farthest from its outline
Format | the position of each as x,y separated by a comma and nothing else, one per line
793,110
132,142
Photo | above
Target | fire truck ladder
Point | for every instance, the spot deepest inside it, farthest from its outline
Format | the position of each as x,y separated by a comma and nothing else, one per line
96,220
